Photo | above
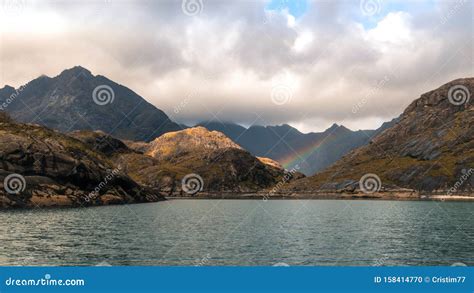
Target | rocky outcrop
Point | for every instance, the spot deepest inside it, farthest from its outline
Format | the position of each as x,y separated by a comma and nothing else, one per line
176,144
429,149
207,158
41,167
270,162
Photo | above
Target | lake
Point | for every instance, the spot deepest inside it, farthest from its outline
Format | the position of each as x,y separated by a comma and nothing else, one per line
243,232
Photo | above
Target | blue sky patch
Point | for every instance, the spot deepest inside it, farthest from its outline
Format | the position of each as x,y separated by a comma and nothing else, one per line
295,7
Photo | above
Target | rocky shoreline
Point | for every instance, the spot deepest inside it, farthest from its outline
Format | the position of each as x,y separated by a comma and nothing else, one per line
58,201
390,195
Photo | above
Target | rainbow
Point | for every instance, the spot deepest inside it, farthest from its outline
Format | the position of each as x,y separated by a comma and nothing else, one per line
303,153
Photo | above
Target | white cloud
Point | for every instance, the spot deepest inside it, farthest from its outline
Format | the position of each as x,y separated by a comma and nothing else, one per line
392,33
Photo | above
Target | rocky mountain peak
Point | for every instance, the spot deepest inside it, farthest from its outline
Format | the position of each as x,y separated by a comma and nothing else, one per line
77,100
188,140
451,97
337,128
76,71
333,126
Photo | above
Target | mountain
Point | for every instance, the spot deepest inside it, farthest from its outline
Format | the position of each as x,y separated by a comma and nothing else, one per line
41,167
78,100
430,148
311,152
211,162
174,145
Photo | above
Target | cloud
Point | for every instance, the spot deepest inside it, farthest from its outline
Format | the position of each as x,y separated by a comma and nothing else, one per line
234,59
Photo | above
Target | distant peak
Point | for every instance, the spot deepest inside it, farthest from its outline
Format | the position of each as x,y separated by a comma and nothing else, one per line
76,70
337,127
79,68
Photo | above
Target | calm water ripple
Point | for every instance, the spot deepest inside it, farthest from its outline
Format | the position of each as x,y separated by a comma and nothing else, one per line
243,232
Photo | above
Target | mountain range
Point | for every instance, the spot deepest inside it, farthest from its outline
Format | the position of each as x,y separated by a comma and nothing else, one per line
311,152
78,100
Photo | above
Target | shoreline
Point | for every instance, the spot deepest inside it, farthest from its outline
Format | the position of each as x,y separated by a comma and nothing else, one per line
397,196
381,196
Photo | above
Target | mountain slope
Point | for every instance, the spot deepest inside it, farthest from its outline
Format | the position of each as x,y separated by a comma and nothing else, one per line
430,148
180,143
40,167
311,152
78,100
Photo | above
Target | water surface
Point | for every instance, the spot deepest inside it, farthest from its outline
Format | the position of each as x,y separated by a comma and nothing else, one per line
243,232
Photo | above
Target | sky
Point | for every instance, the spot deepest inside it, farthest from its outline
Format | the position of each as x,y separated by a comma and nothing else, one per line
305,63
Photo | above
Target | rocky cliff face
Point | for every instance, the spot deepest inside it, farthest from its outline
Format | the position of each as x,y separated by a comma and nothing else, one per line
430,148
78,100
40,167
